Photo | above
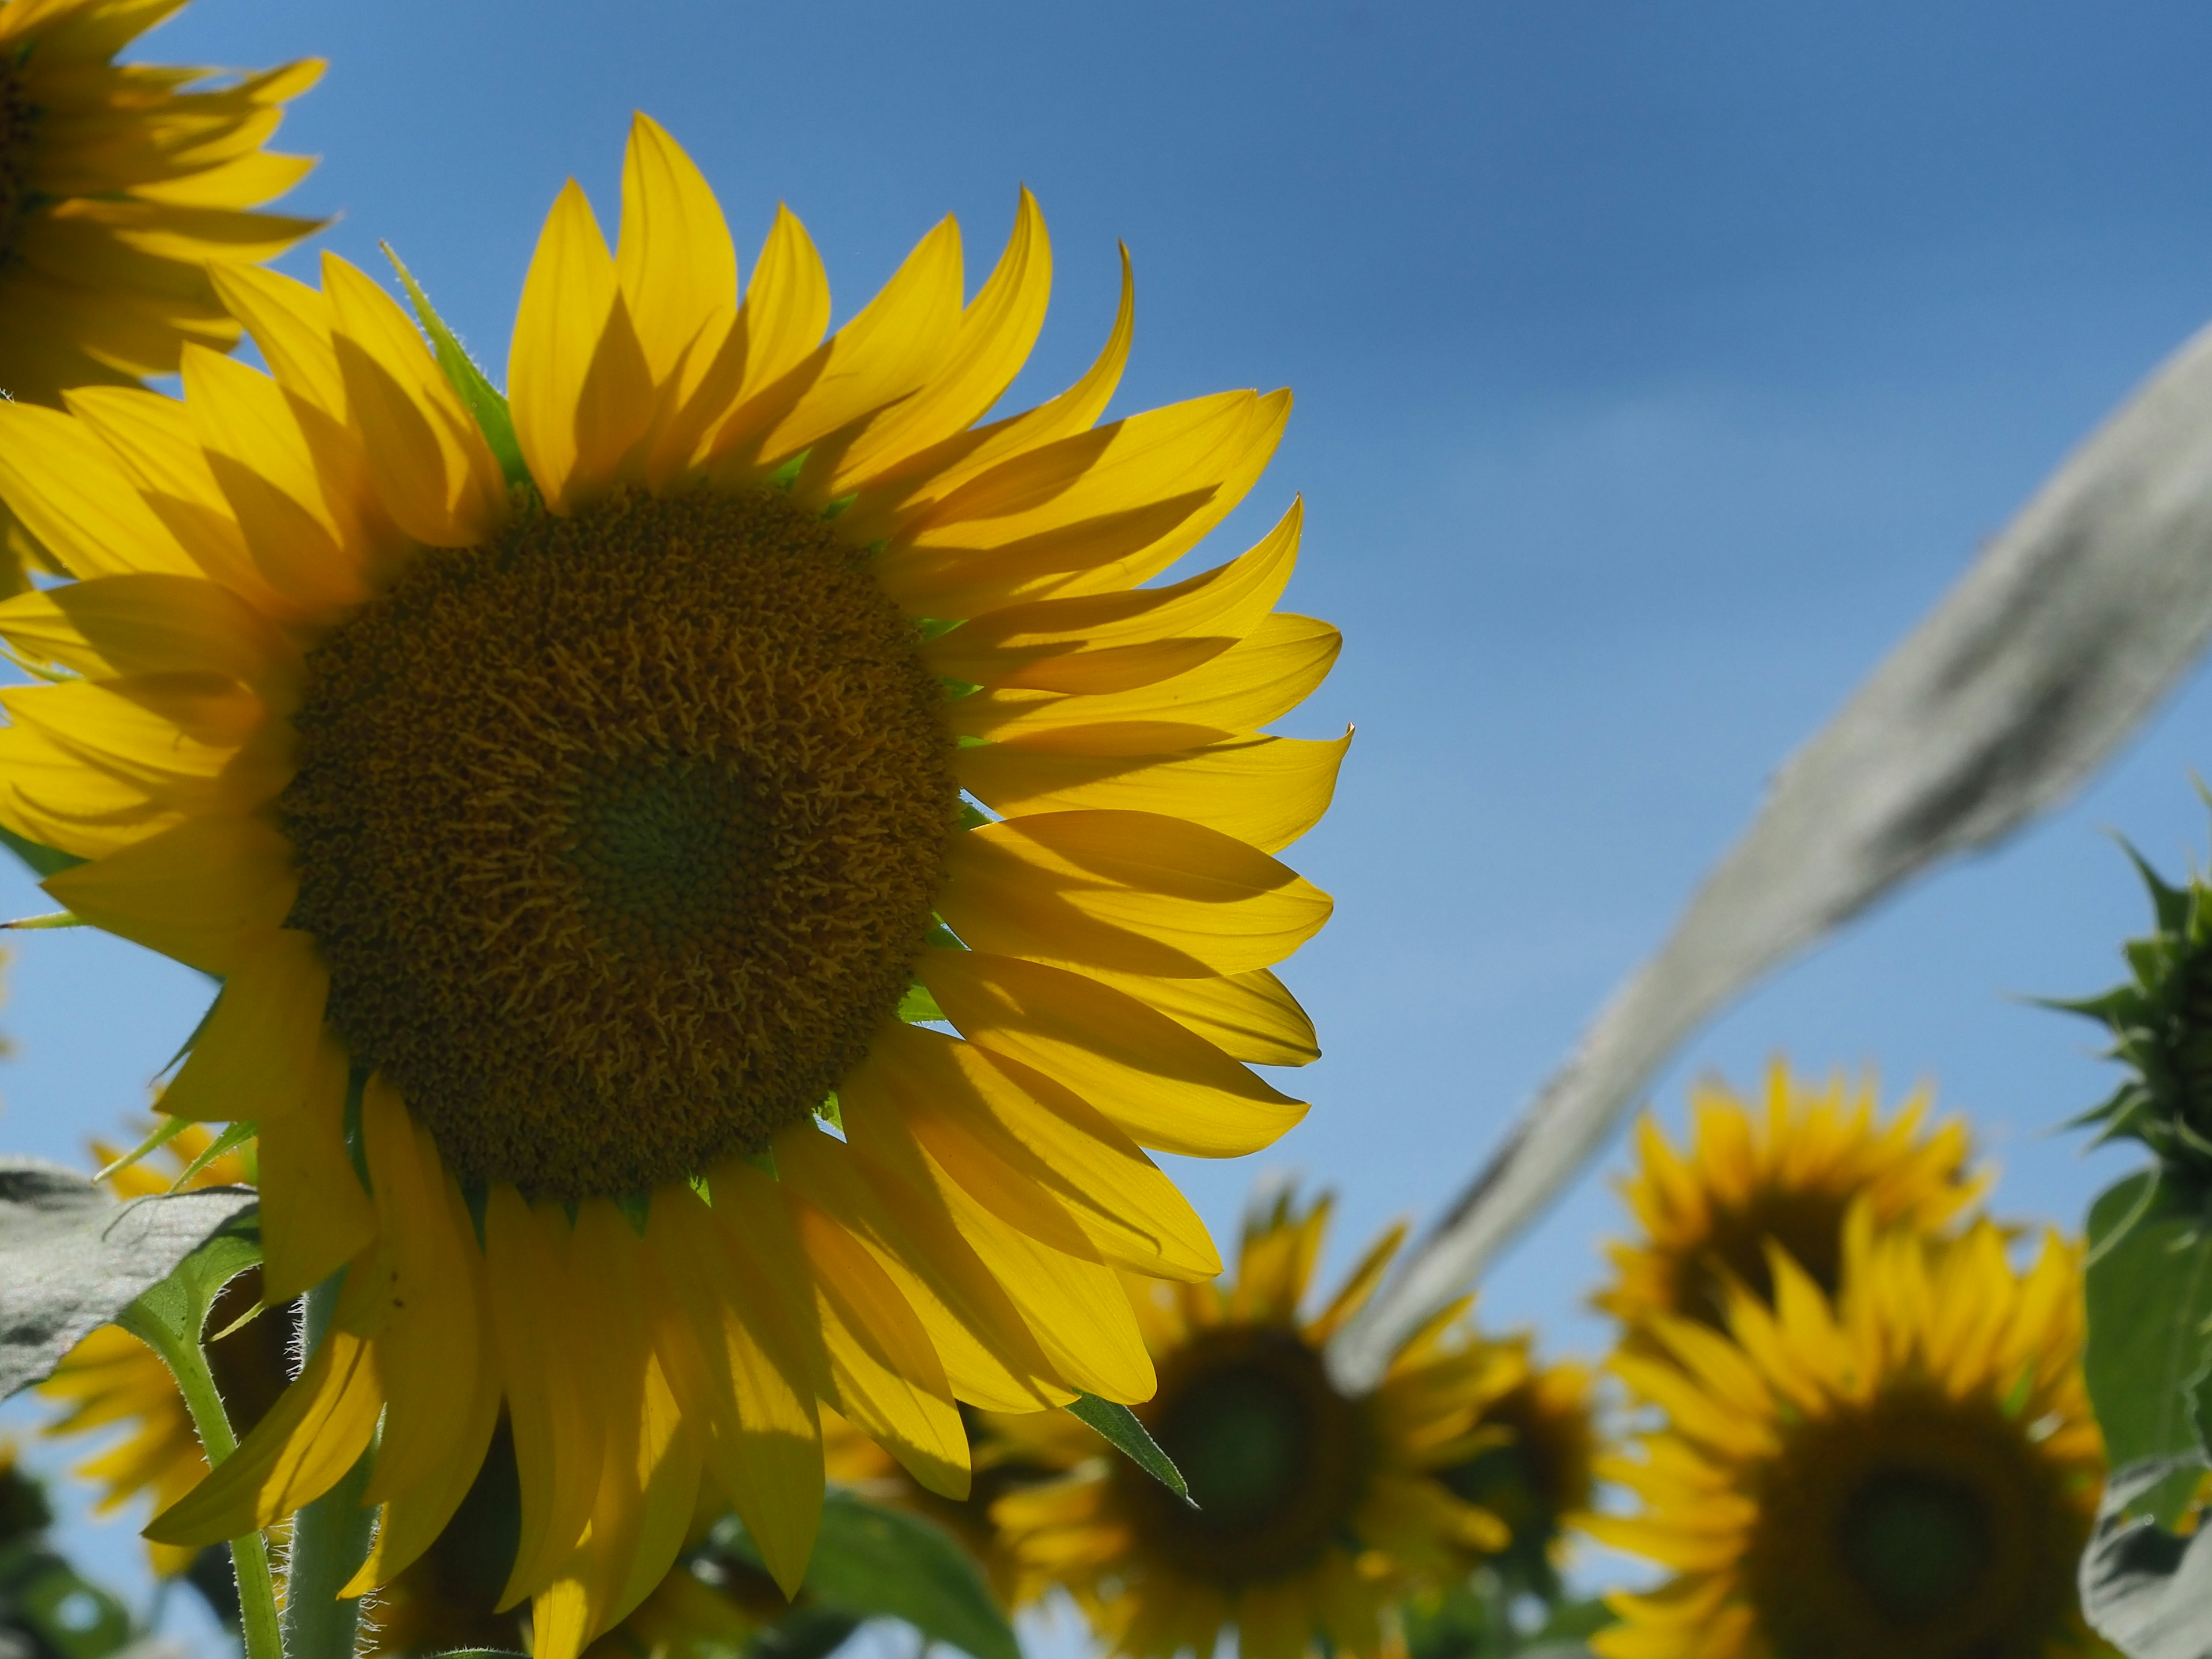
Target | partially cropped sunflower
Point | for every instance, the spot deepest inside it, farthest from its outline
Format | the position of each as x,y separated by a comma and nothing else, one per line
1910,1469
112,1378
1315,1510
1535,1475
1789,1175
587,817
121,184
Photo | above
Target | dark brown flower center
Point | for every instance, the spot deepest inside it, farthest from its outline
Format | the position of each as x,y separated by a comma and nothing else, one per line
620,834
1916,1525
1278,1460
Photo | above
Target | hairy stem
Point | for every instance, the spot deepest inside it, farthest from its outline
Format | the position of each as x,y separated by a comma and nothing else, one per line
249,1553
329,1536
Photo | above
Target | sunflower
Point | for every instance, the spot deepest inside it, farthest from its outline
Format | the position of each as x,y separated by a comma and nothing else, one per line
120,184
1707,1216
1315,1510
1910,1468
597,813
111,1378
1535,1477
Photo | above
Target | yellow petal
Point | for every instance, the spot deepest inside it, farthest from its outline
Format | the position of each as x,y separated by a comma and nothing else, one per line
306,1444
578,382
1133,891
1107,642
147,624
1249,1017
892,349
1266,792
198,892
1165,1087
673,258
63,484
315,1216
995,334
254,1057
429,461
290,323
888,1379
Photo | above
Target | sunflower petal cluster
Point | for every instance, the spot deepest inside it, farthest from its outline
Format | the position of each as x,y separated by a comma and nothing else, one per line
1709,1212
120,186
721,868
1906,1466
1316,1511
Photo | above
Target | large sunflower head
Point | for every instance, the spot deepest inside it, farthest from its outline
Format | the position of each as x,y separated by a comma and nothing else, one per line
719,866
1315,1510
1787,1177
112,1379
121,184
1910,1468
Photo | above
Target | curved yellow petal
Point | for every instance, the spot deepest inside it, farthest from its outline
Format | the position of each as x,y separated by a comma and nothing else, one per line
673,257
315,1217
49,795
290,322
996,331
1266,792
200,891
577,379
1167,1088
254,1058
149,623
189,741
1251,1017
1130,891
427,458
1107,643
65,484
888,1376
992,1121
892,349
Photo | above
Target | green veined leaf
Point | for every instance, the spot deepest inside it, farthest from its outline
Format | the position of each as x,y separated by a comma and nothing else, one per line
2149,1294
871,1562
1129,1437
484,400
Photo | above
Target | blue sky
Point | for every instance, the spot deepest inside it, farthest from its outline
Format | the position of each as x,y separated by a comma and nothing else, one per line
1656,368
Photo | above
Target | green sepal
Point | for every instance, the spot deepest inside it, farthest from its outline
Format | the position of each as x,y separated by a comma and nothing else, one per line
166,1130
51,919
1120,1428
636,1209
233,1135
43,860
918,1007
973,817
484,400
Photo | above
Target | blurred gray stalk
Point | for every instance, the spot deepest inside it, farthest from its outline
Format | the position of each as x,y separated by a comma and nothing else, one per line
2062,636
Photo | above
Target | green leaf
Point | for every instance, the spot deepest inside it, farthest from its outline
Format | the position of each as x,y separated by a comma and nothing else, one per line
179,1303
72,1259
875,1563
66,1614
2149,1287
484,398
1130,1437
2145,1589
43,860
803,1633
918,1006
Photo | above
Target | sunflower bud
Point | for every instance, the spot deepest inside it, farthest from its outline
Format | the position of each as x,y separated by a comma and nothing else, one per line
2161,1023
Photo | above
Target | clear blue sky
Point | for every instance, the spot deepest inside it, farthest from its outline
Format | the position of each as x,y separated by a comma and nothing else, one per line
1655,368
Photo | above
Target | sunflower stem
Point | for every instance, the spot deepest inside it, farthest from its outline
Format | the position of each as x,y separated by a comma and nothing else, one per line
329,1536
249,1553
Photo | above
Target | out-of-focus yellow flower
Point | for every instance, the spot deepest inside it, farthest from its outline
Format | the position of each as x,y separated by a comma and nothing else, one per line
1315,1510
1909,1468
1536,1476
596,791
1788,1175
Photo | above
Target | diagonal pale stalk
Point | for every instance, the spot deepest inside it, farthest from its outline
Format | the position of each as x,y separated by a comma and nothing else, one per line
329,1536
179,1344
2062,635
